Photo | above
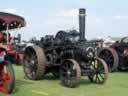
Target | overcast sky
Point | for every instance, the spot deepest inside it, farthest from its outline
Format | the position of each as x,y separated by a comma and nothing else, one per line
104,17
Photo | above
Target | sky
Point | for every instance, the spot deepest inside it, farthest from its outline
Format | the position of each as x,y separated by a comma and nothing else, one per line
104,17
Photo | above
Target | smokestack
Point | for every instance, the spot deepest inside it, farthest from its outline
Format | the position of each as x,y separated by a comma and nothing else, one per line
82,14
19,38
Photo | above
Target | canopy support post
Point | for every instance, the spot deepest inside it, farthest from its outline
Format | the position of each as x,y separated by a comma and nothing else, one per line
7,32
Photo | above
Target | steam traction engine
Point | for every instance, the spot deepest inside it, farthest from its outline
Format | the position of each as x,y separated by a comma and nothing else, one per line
68,55
8,52
116,55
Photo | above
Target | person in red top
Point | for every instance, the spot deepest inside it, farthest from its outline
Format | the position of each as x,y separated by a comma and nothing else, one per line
3,37
3,41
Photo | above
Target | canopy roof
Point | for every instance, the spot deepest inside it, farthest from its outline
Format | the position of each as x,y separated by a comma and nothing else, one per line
10,20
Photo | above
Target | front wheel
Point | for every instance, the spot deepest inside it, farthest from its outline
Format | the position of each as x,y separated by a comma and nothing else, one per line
7,78
99,71
70,73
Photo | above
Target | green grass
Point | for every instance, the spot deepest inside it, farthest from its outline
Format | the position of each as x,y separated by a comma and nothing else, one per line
117,85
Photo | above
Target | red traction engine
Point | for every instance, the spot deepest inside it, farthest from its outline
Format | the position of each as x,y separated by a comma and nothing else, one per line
116,56
8,51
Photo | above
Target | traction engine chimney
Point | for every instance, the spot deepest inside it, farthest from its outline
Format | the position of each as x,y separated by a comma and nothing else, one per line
82,14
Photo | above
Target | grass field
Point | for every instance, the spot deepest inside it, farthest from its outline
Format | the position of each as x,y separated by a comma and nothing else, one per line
117,85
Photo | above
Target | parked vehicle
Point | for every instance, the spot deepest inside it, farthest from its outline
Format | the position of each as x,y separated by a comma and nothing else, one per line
116,56
68,55
8,53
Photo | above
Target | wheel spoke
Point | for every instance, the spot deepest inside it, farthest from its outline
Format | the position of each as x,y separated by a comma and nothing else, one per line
3,89
27,70
101,76
97,78
64,68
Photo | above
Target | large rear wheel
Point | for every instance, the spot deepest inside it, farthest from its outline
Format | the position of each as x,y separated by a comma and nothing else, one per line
34,62
110,56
